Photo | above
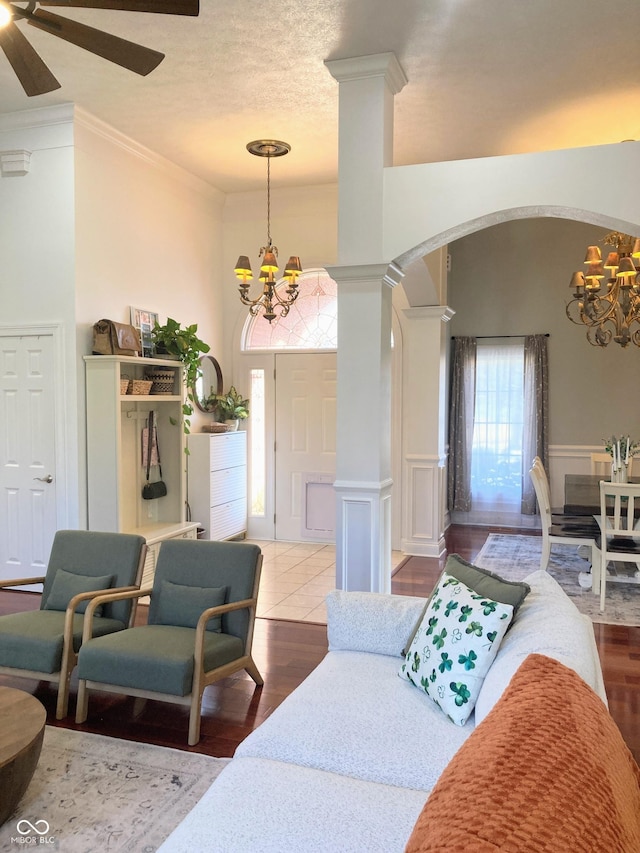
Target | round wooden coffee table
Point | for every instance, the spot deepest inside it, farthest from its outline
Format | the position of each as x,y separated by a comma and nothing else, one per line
22,721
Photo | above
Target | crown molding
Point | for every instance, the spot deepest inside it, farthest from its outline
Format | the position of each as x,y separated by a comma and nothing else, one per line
39,117
95,125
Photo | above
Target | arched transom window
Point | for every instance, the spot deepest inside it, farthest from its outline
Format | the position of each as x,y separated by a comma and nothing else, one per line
312,321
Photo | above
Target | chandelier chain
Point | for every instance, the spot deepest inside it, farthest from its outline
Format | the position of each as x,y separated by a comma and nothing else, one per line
269,201
269,299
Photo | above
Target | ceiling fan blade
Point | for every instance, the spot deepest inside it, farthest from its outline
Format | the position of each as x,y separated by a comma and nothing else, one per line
164,7
125,53
33,74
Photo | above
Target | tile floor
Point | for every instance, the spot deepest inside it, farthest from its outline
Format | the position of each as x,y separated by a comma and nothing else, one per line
296,576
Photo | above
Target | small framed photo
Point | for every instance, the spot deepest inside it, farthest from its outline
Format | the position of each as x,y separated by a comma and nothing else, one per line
144,322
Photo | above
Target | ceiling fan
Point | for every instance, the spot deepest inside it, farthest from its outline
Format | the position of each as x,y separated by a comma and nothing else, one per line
33,74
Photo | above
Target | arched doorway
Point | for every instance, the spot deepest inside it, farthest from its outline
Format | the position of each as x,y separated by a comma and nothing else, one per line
291,365
301,345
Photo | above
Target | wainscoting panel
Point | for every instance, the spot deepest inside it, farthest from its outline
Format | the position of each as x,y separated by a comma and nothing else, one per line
363,536
424,506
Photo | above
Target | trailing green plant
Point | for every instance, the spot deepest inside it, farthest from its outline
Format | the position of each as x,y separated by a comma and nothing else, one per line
186,346
231,406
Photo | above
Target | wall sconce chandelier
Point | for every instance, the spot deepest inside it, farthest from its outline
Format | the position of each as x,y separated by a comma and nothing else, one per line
269,299
609,311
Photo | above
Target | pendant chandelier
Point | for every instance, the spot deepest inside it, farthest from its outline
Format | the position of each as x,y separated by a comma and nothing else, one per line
269,299
609,309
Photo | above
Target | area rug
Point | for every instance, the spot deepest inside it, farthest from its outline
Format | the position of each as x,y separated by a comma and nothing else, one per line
94,793
515,557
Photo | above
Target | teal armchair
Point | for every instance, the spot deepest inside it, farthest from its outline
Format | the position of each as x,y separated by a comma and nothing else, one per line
43,644
199,629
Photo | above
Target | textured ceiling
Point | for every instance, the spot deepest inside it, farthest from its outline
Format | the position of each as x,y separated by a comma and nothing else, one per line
486,77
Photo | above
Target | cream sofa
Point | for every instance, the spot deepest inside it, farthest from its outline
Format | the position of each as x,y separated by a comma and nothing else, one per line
347,761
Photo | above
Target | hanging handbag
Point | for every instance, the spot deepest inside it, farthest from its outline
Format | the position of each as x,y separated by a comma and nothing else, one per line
111,338
158,489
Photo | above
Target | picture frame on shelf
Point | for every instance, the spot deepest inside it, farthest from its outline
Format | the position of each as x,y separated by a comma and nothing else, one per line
144,321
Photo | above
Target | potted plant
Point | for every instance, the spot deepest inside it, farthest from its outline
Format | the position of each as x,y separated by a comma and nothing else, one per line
232,407
172,341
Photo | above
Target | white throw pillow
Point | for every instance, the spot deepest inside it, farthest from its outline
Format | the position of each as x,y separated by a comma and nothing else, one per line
455,645
548,623
370,621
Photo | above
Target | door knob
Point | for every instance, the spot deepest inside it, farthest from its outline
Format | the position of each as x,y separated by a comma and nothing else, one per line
47,479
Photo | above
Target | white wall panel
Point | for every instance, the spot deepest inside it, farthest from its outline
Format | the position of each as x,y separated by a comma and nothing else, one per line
423,513
299,425
328,437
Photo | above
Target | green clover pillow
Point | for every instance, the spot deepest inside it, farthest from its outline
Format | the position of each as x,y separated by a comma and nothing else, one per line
481,581
455,645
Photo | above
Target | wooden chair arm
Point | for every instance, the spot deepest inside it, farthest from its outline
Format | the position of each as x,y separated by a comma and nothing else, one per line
208,614
21,581
105,597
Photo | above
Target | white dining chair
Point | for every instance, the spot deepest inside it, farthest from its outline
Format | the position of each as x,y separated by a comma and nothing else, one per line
619,539
601,465
558,529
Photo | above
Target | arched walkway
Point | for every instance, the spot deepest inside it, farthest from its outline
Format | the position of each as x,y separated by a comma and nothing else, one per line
390,217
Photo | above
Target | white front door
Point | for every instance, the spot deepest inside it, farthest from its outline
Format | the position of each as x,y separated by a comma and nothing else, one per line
27,454
305,441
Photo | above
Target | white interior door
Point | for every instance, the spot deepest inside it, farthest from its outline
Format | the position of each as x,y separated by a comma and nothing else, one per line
305,446
27,454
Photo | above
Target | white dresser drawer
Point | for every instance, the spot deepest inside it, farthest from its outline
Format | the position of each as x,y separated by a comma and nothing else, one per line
218,483
227,450
228,519
227,485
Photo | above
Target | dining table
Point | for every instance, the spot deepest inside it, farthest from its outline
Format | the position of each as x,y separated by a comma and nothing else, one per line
582,493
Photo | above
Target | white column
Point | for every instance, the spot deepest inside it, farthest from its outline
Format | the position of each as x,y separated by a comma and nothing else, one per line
424,385
363,457
365,146
365,279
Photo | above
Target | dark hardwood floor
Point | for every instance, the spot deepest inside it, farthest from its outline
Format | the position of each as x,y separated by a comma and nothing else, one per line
286,652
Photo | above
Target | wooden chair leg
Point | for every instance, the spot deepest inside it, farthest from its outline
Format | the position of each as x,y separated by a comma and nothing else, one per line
603,582
252,669
595,574
82,704
194,718
139,704
62,705
546,553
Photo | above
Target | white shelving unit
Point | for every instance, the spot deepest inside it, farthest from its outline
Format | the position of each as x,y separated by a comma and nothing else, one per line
218,483
115,475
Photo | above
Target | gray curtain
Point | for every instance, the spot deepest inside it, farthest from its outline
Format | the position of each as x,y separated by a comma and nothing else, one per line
461,418
535,440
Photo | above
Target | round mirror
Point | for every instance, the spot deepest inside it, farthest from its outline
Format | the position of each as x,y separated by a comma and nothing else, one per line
208,384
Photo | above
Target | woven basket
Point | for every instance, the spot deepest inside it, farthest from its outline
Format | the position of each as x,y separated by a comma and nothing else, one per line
124,386
215,427
141,386
163,380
